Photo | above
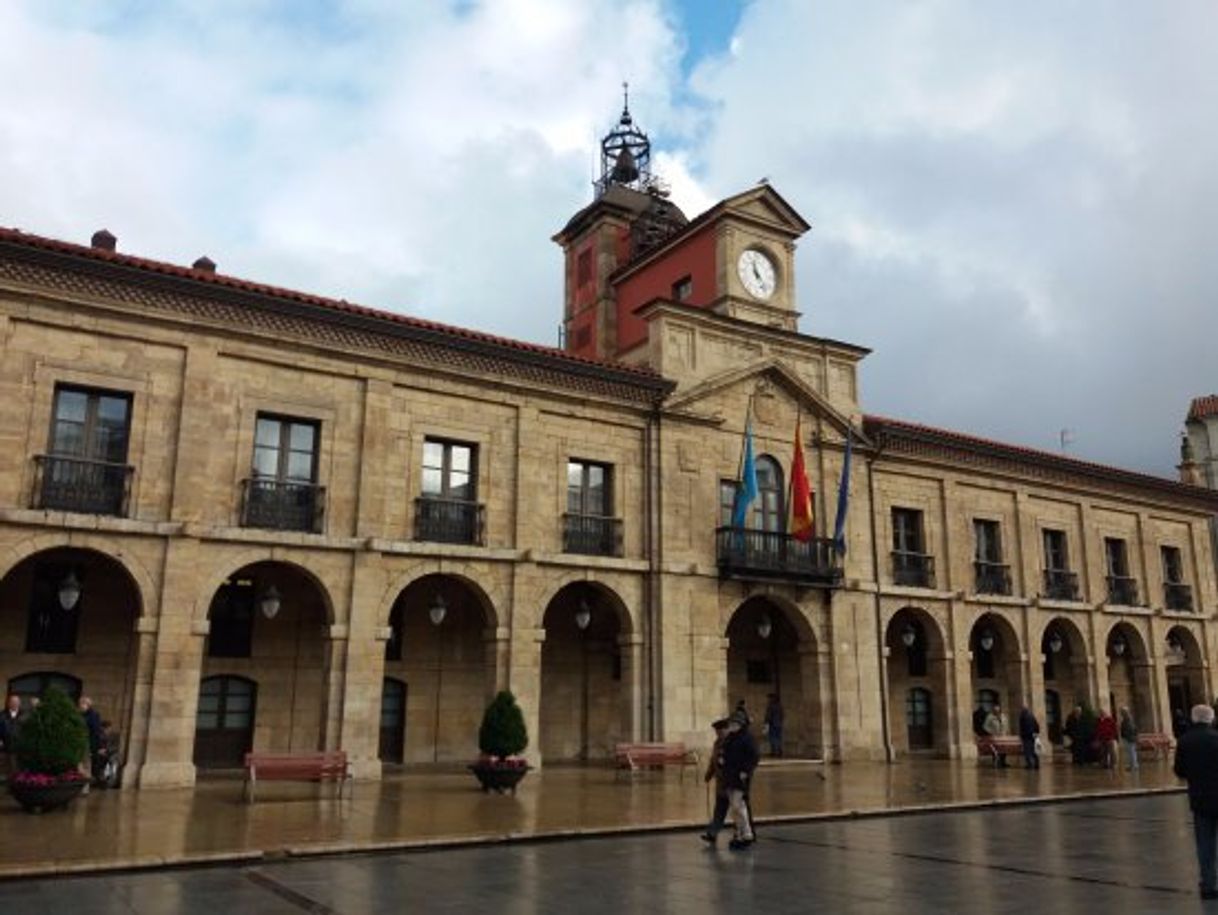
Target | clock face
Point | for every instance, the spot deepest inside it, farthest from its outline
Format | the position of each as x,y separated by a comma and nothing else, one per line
757,273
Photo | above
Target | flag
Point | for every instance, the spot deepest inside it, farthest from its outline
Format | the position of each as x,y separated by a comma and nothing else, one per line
746,490
843,500
803,522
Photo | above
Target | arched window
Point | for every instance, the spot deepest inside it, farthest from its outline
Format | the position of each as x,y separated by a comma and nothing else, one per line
918,719
768,514
34,686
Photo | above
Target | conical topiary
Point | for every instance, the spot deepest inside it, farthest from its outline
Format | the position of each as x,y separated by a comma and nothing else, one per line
53,739
503,732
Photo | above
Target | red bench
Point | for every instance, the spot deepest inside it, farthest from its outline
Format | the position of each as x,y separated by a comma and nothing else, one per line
633,757
320,766
999,747
1156,744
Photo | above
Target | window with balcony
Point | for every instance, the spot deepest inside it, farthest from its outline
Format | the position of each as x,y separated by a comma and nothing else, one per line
1122,587
910,564
992,574
589,526
1176,594
85,468
448,509
282,491
1060,582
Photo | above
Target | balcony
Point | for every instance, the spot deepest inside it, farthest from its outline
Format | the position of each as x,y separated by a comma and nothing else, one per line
1061,584
1178,596
914,570
81,485
591,535
771,555
448,521
282,505
1123,590
992,577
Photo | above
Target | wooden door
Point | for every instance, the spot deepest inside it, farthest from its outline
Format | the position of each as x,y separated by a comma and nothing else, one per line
224,724
393,720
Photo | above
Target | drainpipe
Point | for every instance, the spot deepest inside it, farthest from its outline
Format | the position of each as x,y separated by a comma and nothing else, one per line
651,446
885,723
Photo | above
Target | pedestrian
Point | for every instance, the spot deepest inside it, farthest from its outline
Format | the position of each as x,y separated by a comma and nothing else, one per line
1129,740
1106,737
996,727
741,710
1074,731
93,724
979,715
1179,723
714,773
1197,763
740,759
1029,727
773,724
10,727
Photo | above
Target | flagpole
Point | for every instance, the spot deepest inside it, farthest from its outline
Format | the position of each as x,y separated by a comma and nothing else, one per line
787,516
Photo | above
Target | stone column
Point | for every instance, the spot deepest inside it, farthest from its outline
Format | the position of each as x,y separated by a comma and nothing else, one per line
630,648
333,670
498,644
525,683
141,699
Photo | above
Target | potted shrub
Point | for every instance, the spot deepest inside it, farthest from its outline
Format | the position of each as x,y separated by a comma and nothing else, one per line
501,739
52,742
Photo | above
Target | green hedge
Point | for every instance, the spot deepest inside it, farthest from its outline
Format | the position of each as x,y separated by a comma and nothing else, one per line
503,732
53,739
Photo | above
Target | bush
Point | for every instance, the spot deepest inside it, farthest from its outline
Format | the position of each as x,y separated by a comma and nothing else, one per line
53,739
503,732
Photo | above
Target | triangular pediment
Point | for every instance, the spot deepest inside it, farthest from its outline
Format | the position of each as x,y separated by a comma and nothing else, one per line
764,204
766,384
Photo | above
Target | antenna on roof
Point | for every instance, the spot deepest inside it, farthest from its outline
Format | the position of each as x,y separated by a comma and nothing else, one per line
1066,439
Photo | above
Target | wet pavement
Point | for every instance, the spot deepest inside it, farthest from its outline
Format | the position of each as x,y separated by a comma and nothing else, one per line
1131,854
211,822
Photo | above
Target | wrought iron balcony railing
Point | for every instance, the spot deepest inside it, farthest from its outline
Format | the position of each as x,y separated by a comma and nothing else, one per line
1178,596
774,555
591,535
992,577
1061,584
282,505
448,520
916,570
81,485
1123,590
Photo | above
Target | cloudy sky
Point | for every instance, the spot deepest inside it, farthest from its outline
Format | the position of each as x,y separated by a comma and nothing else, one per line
1010,201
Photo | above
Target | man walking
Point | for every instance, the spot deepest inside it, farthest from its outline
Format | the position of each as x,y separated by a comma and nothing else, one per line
1029,727
740,759
1197,764
714,772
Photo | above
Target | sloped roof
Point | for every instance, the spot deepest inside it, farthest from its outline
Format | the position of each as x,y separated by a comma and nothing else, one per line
1203,407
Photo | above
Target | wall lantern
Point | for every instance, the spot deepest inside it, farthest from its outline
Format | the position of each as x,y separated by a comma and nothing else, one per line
765,626
909,635
1174,645
1118,645
69,591
1055,641
986,640
583,616
269,602
438,609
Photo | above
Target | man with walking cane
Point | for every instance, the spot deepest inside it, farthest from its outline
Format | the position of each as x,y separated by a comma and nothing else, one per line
714,774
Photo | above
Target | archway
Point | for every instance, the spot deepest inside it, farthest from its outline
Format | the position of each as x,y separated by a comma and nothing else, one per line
772,651
1063,653
265,666
585,699
996,667
1185,672
1129,675
439,672
67,618
917,682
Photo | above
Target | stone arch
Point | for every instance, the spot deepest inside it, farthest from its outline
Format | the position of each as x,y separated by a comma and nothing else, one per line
142,580
996,665
1130,674
1185,668
225,569
417,573
626,615
1066,667
917,675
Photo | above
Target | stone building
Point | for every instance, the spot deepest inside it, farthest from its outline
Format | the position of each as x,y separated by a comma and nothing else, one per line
241,516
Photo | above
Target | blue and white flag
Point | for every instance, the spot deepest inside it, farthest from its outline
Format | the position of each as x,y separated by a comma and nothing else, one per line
843,501
746,491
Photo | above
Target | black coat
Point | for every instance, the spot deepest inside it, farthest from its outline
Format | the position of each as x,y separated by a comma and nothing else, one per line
9,728
1029,727
740,758
1197,763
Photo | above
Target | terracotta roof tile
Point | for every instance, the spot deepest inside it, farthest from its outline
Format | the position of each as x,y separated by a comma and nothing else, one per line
1201,407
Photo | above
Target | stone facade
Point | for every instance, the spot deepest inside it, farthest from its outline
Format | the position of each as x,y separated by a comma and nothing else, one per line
390,628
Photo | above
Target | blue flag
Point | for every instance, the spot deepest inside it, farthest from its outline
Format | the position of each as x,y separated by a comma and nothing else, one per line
746,491
843,501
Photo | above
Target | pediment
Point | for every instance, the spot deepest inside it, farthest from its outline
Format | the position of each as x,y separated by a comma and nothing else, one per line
772,388
764,204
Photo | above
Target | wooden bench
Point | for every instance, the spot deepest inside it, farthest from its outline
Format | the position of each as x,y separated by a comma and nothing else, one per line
320,766
998,748
633,757
1156,744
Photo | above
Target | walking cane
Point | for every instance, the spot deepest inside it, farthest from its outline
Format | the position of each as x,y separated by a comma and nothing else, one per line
708,804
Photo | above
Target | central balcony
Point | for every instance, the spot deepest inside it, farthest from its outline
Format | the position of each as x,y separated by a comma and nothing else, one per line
913,570
1061,584
992,577
592,535
771,555
1123,590
282,505
448,521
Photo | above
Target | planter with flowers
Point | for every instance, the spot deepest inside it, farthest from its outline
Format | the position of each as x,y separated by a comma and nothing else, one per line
52,742
501,740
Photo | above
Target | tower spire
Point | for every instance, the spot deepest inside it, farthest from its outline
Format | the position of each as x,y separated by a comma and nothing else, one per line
625,153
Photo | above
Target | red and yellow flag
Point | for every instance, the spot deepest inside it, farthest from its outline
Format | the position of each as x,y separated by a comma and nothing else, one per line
803,524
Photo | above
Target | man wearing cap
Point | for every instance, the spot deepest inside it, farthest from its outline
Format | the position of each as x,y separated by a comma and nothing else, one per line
714,771
1197,764
740,758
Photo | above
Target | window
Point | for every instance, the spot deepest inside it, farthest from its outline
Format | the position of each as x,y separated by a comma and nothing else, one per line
768,512
85,468
988,542
50,629
1055,551
910,565
448,471
1116,558
1173,568
232,620
906,530
588,489
682,289
285,449
727,501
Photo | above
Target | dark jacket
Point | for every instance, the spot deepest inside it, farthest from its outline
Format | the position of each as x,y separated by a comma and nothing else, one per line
94,726
9,728
1129,730
740,758
1029,727
979,716
1197,764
